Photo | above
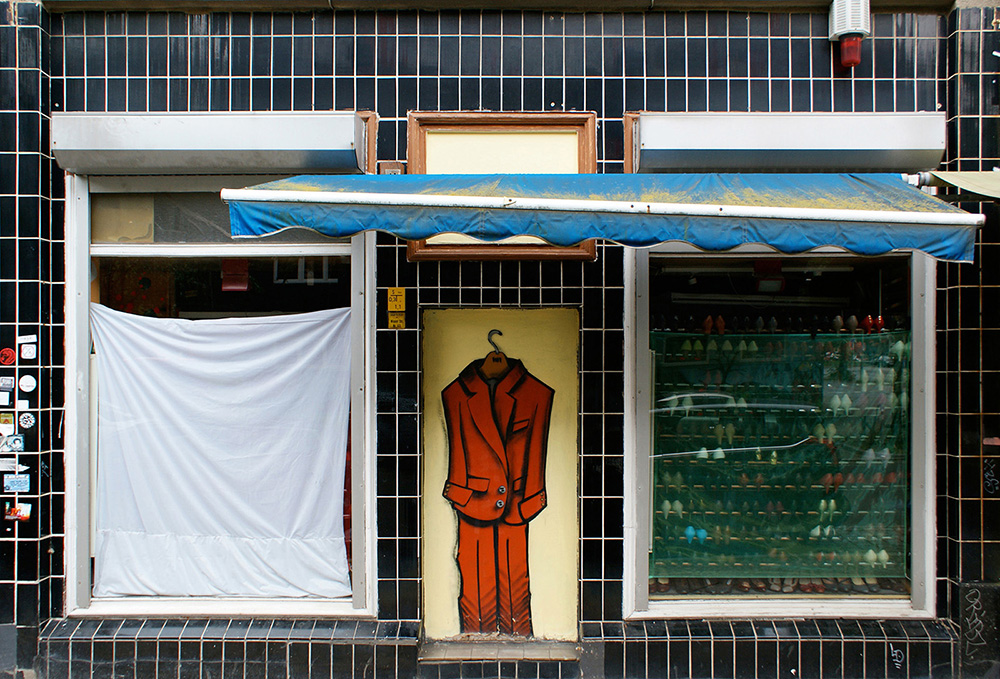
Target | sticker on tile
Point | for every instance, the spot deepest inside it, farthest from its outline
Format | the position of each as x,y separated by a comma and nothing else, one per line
27,383
6,383
16,483
18,511
29,351
6,424
7,356
12,443
27,339
26,420
9,464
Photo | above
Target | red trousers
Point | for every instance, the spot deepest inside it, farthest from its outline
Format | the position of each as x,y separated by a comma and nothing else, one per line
493,563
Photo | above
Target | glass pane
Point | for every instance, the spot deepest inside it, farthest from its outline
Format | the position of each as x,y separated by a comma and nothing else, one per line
780,427
214,287
175,218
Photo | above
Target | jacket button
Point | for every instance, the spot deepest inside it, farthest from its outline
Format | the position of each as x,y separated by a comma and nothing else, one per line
500,503
502,489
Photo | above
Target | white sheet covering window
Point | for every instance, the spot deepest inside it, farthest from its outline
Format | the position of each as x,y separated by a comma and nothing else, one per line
221,455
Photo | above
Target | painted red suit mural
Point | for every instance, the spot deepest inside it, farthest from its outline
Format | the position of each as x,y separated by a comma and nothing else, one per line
497,416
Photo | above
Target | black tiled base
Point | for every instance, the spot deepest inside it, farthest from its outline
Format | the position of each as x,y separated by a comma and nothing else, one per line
519,669
350,649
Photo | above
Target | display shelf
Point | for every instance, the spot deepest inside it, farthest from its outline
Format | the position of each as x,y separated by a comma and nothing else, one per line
778,456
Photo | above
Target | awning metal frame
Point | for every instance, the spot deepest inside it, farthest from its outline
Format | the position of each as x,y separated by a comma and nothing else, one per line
604,206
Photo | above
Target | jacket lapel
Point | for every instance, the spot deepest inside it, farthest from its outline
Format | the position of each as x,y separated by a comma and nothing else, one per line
482,412
505,399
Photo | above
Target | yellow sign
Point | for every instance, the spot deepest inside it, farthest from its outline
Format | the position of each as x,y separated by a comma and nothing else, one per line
397,299
397,320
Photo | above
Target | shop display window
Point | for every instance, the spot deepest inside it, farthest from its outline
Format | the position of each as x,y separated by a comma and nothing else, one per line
780,439
169,255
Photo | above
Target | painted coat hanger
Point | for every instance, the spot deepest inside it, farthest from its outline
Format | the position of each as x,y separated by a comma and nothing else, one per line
495,364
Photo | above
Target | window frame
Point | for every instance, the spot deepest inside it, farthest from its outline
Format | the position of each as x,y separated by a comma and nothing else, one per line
420,123
79,251
922,600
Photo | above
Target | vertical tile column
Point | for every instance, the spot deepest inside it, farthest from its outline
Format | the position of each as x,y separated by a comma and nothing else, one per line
27,300
969,373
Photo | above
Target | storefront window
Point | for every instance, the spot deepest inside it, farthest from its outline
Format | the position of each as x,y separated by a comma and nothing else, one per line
780,427
272,303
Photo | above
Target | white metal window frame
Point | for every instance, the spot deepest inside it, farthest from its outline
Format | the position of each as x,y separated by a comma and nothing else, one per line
923,521
79,251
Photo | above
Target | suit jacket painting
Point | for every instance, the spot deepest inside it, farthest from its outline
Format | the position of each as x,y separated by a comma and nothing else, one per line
497,446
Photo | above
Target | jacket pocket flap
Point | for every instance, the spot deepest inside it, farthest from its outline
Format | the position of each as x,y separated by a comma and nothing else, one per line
520,424
457,494
479,484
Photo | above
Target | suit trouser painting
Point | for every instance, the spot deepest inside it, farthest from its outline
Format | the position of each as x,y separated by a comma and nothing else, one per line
497,438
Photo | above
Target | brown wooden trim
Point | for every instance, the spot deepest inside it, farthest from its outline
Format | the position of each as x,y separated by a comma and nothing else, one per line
419,250
631,151
371,136
418,124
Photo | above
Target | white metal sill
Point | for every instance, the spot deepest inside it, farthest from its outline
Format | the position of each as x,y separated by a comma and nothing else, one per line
840,607
220,608
220,250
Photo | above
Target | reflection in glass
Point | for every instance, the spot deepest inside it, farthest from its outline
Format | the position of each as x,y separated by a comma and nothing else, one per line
780,446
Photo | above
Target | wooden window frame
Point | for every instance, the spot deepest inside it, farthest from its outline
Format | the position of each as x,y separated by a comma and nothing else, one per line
419,123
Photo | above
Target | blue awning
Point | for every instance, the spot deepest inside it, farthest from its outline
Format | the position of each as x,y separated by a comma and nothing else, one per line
867,214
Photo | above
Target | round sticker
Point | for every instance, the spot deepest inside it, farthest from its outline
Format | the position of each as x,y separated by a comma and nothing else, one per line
7,356
27,420
27,383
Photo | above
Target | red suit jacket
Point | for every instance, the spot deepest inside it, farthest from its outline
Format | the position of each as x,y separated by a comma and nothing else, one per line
497,446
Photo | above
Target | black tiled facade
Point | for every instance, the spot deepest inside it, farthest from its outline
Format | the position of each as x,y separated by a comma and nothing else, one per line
393,62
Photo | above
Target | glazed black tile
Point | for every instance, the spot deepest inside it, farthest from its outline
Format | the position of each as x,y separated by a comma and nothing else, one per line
875,658
870,629
737,51
697,95
832,658
697,57
885,96
75,94
177,94
718,57
918,660
745,660
723,658
882,26
218,96
124,652
8,175
676,57
863,96
780,96
853,658
700,658
613,64
635,100
718,95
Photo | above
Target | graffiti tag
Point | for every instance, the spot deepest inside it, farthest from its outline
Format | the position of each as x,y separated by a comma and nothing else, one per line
897,656
974,622
990,482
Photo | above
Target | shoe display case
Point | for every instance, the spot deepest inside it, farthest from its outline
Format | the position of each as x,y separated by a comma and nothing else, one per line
780,451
